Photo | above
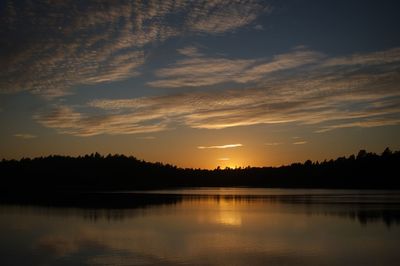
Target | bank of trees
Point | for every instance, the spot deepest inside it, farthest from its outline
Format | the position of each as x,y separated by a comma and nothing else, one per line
118,172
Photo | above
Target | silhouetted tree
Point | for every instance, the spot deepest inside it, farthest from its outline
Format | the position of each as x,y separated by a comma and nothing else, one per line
117,172
361,154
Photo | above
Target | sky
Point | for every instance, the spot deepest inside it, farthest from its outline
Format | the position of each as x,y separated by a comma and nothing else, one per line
199,83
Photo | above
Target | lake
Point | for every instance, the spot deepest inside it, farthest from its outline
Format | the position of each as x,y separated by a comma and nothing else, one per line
208,226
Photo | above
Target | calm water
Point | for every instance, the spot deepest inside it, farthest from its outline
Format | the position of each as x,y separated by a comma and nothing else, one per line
210,227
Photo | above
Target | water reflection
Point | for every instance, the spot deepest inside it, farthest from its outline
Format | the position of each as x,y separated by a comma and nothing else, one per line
363,207
327,228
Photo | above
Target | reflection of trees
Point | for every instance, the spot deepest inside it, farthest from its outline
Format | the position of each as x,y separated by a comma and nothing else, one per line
364,208
390,217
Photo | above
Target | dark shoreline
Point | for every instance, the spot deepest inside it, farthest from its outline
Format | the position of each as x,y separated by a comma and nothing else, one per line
90,173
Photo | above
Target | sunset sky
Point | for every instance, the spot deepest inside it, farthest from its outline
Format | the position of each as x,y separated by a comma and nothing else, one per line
200,83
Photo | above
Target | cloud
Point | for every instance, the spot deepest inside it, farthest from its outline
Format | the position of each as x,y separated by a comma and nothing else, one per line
278,63
369,122
194,72
322,97
300,142
190,51
227,146
204,71
223,159
50,47
273,143
68,121
223,16
25,136
374,58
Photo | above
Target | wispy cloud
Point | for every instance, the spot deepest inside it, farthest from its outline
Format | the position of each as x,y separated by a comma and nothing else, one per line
273,143
25,136
203,71
368,122
374,58
280,62
226,146
190,51
300,142
223,159
326,98
53,46
223,16
68,121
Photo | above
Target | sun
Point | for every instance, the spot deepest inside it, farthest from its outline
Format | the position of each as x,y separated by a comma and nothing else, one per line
225,162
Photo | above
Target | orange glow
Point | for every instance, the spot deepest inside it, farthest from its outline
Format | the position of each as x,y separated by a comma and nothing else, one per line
229,163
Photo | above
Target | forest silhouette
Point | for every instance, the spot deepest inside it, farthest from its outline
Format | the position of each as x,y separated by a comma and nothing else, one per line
95,172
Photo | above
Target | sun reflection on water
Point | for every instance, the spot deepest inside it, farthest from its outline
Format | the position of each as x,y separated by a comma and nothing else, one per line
229,218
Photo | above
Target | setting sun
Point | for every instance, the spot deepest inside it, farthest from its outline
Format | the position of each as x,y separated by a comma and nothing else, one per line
230,163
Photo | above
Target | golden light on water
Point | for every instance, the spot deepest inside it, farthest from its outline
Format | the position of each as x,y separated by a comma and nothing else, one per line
218,211
231,218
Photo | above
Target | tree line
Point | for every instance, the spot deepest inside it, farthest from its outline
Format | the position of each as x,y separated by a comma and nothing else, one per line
96,172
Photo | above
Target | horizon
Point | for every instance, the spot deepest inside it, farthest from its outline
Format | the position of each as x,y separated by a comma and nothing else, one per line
200,84
103,156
